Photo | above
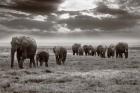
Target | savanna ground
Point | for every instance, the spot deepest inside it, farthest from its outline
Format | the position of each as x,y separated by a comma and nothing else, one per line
80,74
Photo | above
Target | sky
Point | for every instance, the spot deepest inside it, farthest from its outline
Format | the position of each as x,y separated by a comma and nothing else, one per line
58,22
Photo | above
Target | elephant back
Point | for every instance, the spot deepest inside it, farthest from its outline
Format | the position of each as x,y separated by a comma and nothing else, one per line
111,47
42,54
28,46
76,46
27,41
122,46
59,50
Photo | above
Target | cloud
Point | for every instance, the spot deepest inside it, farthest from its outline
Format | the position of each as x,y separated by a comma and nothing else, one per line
40,18
102,8
32,5
77,5
28,23
85,22
76,18
108,15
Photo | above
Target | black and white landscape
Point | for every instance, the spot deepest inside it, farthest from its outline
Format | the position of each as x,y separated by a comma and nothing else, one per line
56,25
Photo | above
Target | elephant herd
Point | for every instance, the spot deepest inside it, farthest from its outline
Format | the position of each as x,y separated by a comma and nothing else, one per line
120,49
26,48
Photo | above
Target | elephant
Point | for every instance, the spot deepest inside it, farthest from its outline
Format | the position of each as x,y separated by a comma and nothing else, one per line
42,56
111,51
60,54
101,51
92,50
80,51
25,47
86,49
75,48
121,48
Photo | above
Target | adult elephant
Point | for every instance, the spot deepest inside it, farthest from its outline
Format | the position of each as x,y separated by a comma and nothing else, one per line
75,48
111,51
101,51
86,49
25,47
80,51
122,48
92,50
60,54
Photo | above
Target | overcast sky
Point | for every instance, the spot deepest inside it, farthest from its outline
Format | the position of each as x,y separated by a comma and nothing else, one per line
71,21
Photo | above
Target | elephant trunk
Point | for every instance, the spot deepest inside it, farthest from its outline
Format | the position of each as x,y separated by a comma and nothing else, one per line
12,57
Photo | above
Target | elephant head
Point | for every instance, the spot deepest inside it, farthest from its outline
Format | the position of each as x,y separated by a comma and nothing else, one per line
60,54
80,51
122,48
111,51
86,49
101,51
57,54
75,48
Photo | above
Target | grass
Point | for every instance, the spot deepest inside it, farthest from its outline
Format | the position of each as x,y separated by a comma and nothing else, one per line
85,74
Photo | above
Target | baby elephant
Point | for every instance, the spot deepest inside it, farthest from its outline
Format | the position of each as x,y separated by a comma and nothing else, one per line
41,57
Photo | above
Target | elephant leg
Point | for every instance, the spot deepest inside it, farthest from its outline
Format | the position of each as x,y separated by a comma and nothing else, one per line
86,53
113,54
20,60
37,60
108,55
46,63
20,63
61,60
64,59
121,55
30,65
18,57
32,61
58,60
104,55
98,54
116,54
41,63
126,54
37,63
77,53
73,53
93,54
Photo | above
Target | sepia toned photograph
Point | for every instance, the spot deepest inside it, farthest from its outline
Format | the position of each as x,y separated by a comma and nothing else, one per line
69,46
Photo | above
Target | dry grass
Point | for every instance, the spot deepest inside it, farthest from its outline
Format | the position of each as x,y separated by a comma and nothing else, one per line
79,75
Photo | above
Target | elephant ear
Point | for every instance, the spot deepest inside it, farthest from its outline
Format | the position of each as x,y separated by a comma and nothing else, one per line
15,40
25,41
